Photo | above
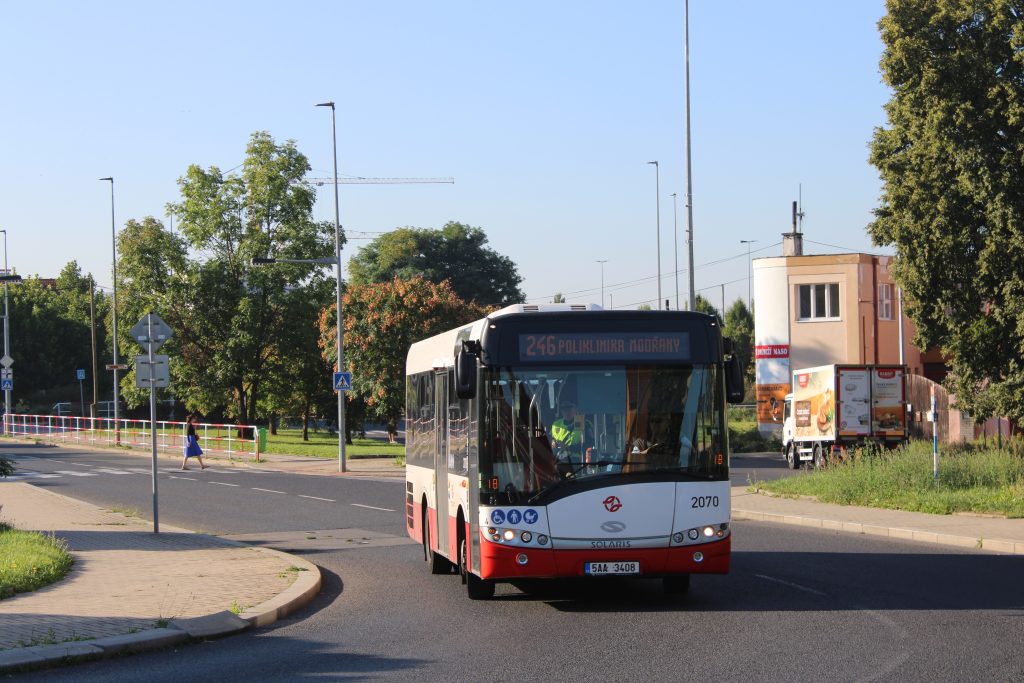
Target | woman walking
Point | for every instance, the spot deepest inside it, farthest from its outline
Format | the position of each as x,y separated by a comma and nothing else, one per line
192,449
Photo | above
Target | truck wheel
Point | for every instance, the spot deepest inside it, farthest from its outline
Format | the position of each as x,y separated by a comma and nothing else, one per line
819,457
792,457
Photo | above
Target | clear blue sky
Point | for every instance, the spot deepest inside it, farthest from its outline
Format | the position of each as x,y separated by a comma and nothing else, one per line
545,113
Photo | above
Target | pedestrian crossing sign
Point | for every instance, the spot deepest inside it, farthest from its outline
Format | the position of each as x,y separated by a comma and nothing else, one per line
7,384
343,381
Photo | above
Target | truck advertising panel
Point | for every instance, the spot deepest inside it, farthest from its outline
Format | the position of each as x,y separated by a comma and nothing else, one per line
814,405
854,389
888,412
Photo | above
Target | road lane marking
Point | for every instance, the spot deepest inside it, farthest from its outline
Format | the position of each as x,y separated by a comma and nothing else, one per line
329,500
359,505
791,585
73,473
220,483
268,490
111,470
78,464
185,478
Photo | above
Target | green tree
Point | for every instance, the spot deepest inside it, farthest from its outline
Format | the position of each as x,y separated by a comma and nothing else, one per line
739,326
381,323
235,321
702,305
457,253
952,200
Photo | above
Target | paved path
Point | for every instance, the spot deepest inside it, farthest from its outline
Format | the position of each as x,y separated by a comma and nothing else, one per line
127,580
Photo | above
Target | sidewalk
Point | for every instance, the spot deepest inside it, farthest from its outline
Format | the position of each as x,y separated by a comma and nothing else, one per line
131,589
996,534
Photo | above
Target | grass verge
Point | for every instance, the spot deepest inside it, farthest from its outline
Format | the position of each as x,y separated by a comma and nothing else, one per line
30,560
324,445
971,479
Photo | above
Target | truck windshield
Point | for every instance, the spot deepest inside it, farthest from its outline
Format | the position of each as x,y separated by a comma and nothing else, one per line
548,427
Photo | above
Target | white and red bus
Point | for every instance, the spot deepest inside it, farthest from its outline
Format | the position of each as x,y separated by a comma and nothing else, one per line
642,490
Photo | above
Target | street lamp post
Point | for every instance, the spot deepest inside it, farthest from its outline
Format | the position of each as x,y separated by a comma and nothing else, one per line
337,254
113,233
689,169
602,280
675,243
7,392
749,273
657,220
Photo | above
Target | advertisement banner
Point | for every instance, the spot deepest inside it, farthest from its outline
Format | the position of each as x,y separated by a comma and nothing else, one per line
888,414
854,402
814,403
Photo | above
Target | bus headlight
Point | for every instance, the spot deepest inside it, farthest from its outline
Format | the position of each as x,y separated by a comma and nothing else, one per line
509,534
526,537
678,537
542,539
693,534
709,531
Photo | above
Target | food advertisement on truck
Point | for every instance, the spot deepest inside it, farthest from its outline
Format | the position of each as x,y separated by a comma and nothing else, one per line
888,414
814,402
854,386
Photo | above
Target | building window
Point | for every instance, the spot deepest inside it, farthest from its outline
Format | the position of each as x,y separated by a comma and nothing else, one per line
885,301
818,302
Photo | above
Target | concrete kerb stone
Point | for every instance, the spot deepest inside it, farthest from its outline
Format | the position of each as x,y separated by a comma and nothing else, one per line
305,587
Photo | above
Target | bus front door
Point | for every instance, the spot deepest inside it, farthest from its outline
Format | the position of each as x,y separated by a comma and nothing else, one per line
441,465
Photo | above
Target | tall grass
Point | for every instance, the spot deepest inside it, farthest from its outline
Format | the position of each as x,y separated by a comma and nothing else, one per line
970,479
30,560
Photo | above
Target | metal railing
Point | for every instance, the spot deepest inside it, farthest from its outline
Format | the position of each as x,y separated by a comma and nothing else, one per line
102,431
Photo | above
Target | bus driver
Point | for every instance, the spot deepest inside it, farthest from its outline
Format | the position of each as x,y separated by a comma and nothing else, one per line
565,433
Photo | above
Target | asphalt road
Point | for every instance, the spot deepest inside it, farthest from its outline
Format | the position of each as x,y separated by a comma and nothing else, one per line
800,604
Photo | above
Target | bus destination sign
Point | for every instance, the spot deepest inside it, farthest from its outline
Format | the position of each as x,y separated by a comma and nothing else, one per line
561,346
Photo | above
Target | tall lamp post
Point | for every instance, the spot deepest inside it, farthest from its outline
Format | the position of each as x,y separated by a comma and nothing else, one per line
749,273
675,244
113,233
602,280
689,170
337,254
7,392
657,221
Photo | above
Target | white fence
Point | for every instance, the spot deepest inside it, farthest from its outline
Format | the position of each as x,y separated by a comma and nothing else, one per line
231,440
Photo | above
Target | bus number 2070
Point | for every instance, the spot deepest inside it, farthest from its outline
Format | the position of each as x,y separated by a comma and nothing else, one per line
704,501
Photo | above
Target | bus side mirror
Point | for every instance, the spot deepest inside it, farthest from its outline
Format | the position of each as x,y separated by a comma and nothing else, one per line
465,374
733,380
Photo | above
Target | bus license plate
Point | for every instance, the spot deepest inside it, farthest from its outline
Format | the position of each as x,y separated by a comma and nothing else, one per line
610,568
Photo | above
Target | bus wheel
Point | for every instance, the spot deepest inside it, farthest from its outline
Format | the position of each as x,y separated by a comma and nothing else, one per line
676,585
819,457
477,588
438,564
792,457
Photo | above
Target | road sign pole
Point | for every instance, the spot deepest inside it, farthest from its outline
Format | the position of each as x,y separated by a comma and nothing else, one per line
81,397
152,417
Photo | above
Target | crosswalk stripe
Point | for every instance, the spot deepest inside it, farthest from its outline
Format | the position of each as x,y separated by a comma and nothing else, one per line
73,473
111,470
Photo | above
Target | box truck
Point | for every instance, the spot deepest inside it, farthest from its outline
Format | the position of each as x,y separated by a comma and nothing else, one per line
833,407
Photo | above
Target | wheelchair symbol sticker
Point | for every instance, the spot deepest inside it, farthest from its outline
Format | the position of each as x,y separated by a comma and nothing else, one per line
498,517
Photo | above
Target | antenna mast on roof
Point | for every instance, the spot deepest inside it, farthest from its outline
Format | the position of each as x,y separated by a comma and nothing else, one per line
798,210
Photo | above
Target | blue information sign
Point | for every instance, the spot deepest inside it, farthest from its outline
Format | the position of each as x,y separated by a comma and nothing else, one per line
343,381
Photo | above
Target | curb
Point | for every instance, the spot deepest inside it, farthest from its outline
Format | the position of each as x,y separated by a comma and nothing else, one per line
971,542
178,631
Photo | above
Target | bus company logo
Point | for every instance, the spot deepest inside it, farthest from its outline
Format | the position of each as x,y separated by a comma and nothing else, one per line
530,516
514,516
613,527
612,503
498,517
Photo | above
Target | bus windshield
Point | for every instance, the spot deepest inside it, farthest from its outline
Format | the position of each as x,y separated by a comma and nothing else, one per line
550,427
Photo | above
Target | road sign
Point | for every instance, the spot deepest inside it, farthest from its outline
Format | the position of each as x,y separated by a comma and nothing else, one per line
80,374
161,331
6,384
6,361
119,366
6,373
343,381
158,372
